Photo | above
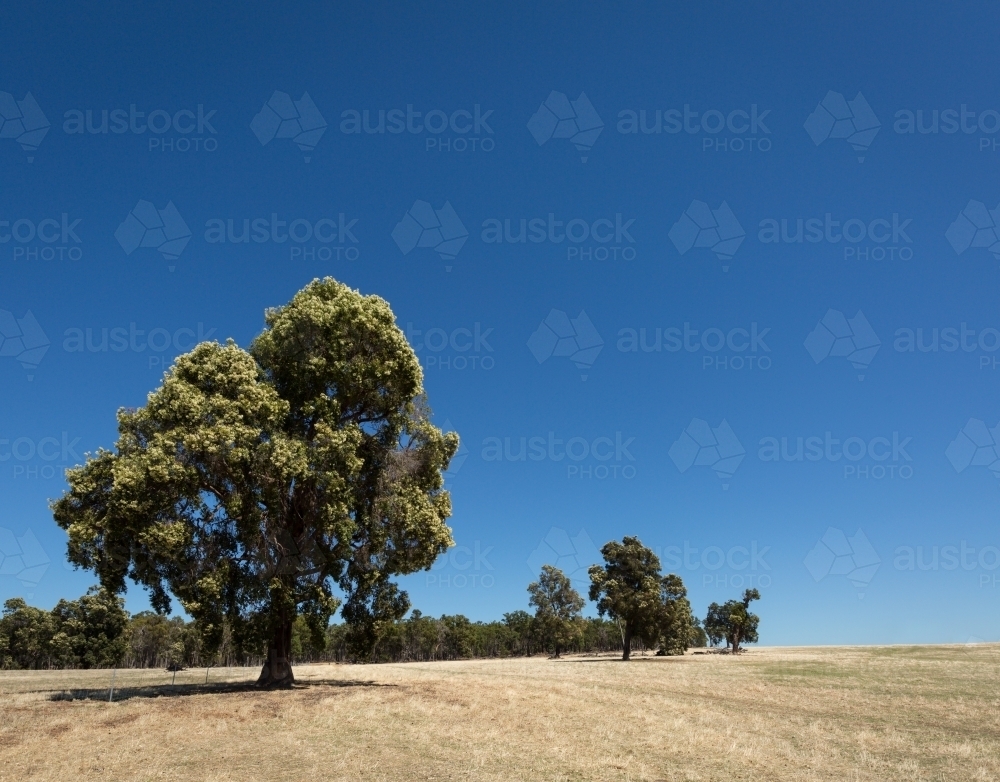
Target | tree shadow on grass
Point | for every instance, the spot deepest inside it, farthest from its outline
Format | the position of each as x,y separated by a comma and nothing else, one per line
646,659
183,690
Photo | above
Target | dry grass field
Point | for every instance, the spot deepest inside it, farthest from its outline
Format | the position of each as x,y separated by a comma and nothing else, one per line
846,713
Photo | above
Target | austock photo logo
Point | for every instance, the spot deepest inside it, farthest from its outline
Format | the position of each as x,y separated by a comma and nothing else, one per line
878,239
326,239
701,445
875,458
951,121
835,554
452,349
572,555
440,230
45,239
722,350
284,118
715,229
840,337
462,567
457,131
573,338
734,567
23,121
975,227
558,117
951,339
976,446
23,340
851,120
162,344
23,454
737,130
958,555
184,130
160,229
598,458
22,557
602,239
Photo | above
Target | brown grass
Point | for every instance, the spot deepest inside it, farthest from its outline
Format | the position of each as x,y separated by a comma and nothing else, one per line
858,714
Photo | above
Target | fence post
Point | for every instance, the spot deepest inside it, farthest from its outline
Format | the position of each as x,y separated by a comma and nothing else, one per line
111,689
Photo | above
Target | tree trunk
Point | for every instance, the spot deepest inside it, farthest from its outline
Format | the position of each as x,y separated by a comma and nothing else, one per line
277,670
627,642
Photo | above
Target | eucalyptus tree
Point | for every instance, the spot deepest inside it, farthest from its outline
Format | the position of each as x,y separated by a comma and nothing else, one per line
287,479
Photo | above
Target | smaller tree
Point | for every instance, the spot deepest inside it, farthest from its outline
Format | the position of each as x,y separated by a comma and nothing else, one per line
628,588
676,619
733,622
557,608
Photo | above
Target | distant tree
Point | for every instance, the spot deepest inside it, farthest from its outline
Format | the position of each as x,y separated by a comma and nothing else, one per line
557,609
697,638
149,639
26,636
256,482
92,628
422,637
457,637
676,620
743,623
733,621
307,644
629,589
520,623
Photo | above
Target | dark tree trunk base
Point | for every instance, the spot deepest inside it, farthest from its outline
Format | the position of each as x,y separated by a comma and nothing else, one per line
276,675
277,671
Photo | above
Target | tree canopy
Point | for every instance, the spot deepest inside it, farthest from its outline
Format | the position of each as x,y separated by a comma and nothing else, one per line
258,485
733,622
647,606
677,623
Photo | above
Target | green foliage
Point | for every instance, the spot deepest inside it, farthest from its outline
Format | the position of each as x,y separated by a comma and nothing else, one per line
423,638
697,638
733,622
26,636
255,482
647,606
519,627
157,641
677,620
557,609
85,633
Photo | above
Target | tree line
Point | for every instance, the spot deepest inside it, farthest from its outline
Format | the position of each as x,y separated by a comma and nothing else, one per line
639,610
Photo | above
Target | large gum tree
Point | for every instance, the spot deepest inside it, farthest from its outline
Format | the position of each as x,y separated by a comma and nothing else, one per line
257,485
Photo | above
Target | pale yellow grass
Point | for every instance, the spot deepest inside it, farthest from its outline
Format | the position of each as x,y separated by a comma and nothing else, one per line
858,714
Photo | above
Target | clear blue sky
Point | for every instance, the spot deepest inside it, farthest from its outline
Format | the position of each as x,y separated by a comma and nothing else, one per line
750,110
